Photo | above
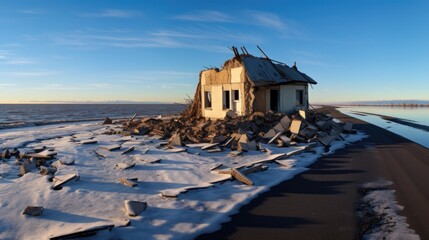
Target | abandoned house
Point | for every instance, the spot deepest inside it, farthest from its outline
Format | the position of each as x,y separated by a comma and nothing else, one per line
248,84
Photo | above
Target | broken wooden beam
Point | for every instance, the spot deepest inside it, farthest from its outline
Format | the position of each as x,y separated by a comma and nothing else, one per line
241,177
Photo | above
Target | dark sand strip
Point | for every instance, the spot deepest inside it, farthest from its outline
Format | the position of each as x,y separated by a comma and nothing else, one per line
321,203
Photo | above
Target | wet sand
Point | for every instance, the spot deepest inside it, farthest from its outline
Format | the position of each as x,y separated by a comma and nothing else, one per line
321,203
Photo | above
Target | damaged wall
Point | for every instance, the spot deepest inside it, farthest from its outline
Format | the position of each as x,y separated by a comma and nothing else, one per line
230,78
288,98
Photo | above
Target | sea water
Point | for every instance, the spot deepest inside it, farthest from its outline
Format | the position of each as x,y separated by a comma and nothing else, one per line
418,115
25,115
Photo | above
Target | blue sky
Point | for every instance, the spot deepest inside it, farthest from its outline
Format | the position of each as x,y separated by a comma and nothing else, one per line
153,51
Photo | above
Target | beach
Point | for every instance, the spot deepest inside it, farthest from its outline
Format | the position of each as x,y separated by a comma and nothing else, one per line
321,203
312,195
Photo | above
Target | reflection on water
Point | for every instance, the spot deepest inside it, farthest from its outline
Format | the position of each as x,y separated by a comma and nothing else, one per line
419,116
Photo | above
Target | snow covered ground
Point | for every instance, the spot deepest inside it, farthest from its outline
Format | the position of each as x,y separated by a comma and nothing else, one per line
97,197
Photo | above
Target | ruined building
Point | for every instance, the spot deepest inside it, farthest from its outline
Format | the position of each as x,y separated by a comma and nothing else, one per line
248,84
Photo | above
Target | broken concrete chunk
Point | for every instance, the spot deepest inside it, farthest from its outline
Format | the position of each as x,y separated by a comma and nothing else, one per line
27,166
39,149
33,210
66,161
244,138
295,126
128,182
128,150
285,122
175,140
253,169
134,208
107,121
235,153
242,147
279,127
112,147
219,139
231,115
176,150
85,142
47,170
125,165
214,150
270,134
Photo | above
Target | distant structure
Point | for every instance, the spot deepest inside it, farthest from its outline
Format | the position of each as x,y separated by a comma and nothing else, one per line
248,84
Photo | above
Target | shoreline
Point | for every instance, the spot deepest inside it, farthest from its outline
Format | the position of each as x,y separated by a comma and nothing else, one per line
321,203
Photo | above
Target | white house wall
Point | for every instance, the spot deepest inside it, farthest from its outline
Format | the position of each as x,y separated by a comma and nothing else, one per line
288,98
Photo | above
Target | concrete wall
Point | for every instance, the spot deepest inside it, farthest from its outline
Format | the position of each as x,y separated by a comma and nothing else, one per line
217,83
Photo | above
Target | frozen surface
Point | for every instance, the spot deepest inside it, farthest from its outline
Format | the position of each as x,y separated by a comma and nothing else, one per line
418,115
97,197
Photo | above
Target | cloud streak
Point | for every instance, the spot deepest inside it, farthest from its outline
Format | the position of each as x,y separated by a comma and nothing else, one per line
25,74
112,13
206,16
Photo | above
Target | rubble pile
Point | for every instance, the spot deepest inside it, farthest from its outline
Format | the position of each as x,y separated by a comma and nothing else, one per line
242,133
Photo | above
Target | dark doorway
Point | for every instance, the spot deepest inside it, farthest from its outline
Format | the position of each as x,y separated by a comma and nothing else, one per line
274,100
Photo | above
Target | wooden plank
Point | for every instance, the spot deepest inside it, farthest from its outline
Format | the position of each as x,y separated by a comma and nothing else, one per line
275,137
210,146
128,182
128,150
241,177
61,180
112,147
125,165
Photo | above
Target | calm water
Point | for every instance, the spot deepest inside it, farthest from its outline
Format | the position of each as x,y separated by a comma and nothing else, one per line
415,115
23,115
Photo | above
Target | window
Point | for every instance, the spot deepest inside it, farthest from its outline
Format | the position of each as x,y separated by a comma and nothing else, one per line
207,99
236,95
226,100
299,97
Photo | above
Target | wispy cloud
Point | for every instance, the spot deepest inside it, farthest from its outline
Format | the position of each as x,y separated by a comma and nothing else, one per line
266,19
35,11
202,37
206,16
8,57
112,13
19,61
29,74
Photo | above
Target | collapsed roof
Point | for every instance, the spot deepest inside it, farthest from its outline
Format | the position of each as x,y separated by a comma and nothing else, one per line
263,71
